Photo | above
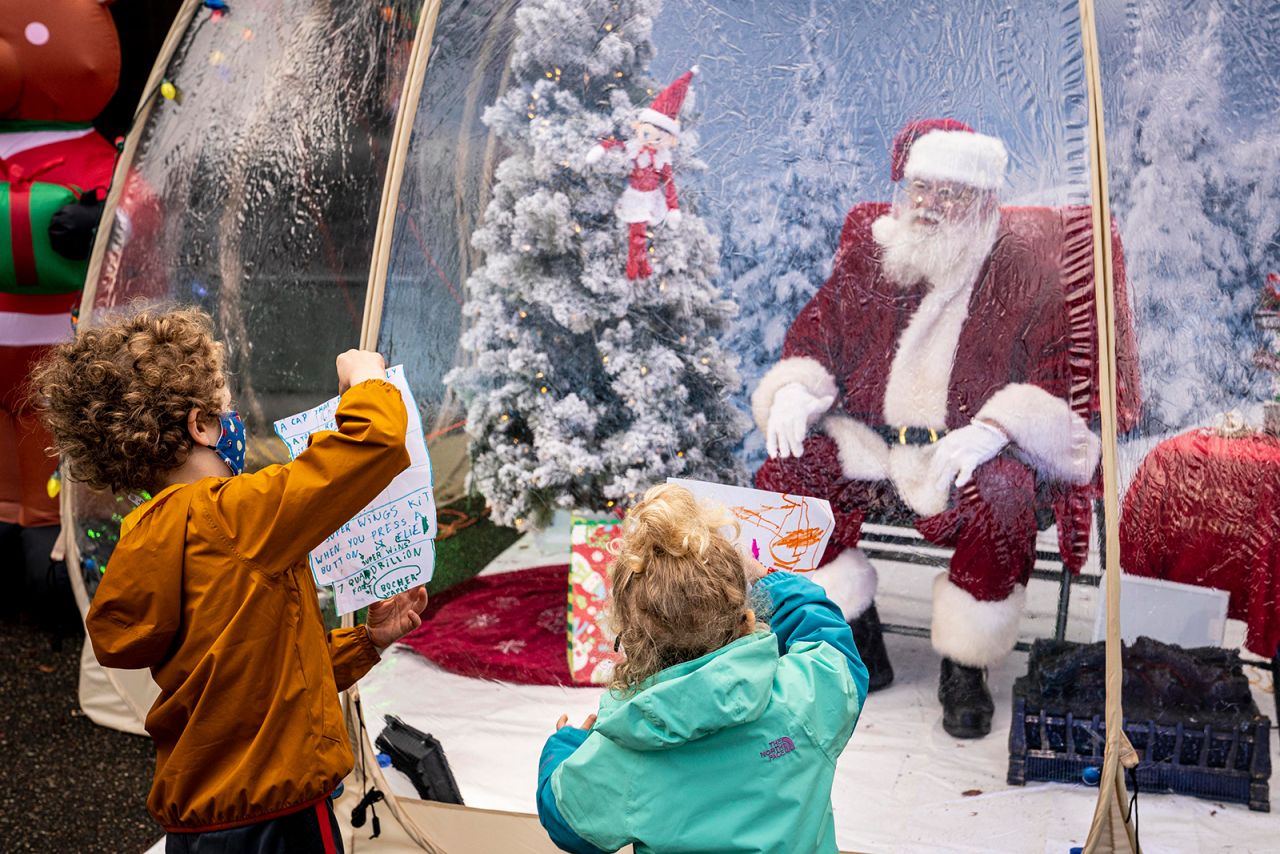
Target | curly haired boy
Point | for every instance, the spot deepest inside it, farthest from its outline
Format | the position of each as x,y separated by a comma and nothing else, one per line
209,586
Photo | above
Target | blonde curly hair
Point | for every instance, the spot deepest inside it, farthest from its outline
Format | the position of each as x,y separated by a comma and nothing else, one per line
116,398
679,585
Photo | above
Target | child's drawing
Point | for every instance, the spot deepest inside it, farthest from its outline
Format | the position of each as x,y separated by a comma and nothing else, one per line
793,541
781,531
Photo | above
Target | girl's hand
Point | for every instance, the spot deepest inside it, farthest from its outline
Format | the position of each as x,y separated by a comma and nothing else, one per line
587,724
391,619
754,569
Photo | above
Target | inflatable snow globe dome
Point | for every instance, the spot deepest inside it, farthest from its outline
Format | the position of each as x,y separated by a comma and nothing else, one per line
1191,108
624,207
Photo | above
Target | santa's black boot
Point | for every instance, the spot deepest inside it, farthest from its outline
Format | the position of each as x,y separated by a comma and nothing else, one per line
966,702
869,638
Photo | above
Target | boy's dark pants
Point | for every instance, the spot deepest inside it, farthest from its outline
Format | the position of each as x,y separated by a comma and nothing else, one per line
313,830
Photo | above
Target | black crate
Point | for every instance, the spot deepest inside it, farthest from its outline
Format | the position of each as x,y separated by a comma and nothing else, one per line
1222,765
1220,761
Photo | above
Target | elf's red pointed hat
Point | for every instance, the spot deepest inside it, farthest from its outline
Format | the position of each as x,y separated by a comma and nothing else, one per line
948,150
664,112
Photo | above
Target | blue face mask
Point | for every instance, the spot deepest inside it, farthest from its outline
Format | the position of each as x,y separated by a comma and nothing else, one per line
230,445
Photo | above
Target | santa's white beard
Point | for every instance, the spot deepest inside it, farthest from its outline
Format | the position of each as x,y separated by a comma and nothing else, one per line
947,255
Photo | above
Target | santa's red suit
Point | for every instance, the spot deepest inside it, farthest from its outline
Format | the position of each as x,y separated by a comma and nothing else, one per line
1012,342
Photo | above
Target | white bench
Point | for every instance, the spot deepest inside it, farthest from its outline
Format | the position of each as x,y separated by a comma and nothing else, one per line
900,544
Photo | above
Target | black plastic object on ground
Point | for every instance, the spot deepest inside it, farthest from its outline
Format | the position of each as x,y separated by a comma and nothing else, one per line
1188,713
420,757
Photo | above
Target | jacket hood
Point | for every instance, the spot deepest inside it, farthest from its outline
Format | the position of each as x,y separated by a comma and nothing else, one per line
138,607
725,688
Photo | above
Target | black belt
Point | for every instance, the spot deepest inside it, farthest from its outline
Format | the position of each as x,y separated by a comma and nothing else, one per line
909,435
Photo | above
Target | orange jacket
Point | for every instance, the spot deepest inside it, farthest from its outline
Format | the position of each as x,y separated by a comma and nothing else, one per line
210,587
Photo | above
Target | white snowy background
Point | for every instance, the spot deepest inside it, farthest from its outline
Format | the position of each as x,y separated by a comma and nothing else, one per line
1195,178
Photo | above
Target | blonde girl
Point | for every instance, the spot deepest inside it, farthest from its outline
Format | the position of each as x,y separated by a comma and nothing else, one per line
719,733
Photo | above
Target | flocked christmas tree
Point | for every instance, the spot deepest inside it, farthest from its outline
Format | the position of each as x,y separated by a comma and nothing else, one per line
780,240
586,385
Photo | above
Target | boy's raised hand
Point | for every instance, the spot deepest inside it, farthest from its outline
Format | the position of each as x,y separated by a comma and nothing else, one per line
391,619
356,366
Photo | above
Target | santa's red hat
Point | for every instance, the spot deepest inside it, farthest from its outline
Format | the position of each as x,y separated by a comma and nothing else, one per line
664,112
948,150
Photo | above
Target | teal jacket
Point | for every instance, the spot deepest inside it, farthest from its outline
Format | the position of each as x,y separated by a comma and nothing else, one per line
731,752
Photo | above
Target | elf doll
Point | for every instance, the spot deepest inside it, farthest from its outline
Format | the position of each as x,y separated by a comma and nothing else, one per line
650,197
59,66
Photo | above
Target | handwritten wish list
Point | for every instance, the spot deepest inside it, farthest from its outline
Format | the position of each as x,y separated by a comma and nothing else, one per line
389,546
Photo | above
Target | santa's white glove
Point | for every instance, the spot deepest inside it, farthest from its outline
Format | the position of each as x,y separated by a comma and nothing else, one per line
961,451
794,410
673,218
595,155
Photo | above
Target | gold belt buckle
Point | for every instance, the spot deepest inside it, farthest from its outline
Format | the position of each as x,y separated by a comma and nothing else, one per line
902,435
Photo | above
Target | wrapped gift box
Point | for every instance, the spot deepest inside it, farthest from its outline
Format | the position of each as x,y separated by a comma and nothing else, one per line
591,655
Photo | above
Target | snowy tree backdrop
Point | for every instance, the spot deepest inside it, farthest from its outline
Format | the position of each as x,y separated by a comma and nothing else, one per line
587,387
780,238
1196,188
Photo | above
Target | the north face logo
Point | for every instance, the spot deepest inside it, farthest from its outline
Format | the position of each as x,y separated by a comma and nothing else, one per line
779,747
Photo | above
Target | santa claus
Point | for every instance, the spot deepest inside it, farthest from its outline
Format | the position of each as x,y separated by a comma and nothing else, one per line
944,377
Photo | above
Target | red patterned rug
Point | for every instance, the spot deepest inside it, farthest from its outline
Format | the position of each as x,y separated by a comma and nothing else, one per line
511,627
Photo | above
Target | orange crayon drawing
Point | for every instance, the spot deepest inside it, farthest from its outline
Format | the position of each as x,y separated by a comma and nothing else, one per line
793,539
800,538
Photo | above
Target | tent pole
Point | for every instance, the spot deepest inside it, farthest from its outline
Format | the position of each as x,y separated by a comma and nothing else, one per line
124,162
371,326
401,135
1109,831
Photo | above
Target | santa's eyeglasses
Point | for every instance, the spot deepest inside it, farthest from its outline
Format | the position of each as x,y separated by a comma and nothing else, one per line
942,193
